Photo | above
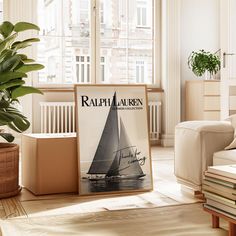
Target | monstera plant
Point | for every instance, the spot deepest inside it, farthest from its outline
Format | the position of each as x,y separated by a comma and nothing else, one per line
14,66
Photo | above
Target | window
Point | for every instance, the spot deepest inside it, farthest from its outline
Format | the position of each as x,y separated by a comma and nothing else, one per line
50,17
142,13
106,47
83,69
102,12
140,72
103,70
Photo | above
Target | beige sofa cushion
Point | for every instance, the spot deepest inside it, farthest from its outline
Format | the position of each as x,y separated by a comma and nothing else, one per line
224,157
232,145
232,120
208,126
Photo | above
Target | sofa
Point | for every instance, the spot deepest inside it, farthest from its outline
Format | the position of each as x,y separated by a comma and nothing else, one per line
199,144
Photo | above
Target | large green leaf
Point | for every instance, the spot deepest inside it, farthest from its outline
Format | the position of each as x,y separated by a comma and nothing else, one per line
20,45
14,119
7,42
5,116
6,53
22,26
31,40
21,124
30,67
3,46
28,60
23,56
10,64
6,28
25,43
23,90
15,112
12,83
9,137
25,59
4,104
6,76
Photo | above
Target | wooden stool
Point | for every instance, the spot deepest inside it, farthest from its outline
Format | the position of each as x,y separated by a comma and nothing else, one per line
216,221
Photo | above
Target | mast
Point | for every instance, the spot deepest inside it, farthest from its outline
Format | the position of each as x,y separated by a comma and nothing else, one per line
108,144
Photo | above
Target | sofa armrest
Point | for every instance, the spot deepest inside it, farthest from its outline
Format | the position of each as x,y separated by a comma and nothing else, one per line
195,144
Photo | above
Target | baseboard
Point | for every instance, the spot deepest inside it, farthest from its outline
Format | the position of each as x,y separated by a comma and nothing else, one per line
155,142
167,140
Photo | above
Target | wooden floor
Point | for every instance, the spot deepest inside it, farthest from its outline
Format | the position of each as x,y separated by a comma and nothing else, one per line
166,192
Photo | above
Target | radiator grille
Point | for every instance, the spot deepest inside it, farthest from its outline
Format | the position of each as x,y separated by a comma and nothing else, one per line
59,117
154,108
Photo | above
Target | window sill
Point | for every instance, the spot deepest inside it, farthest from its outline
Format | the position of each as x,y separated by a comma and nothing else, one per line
70,88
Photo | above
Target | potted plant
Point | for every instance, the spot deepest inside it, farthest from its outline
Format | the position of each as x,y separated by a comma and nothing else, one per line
203,62
14,67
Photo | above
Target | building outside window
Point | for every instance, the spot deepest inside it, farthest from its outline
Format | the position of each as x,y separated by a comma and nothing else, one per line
103,70
142,13
117,44
140,72
83,69
102,20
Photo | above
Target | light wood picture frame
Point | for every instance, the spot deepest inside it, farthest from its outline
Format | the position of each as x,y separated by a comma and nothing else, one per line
112,139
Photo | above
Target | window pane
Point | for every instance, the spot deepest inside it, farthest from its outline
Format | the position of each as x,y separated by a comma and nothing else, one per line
102,73
115,52
140,55
65,35
77,72
144,16
142,74
126,43
139,16
137,74
88,73
126,35
82,73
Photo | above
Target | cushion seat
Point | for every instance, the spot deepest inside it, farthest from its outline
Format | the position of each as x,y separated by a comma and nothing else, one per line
226,157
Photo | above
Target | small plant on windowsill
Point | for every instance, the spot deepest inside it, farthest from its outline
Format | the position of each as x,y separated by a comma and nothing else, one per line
203,62
14,67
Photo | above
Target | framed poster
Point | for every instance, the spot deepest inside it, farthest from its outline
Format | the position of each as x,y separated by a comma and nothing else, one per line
113,139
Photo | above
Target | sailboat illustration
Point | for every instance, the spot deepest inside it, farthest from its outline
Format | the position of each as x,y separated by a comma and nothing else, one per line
115,157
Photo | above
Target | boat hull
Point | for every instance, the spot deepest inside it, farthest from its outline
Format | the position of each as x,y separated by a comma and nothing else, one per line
116,178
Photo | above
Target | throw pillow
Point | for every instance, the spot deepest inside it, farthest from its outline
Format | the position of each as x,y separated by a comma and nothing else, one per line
232,120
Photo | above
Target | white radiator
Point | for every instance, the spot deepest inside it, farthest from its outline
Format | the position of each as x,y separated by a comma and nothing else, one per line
59,117
154,108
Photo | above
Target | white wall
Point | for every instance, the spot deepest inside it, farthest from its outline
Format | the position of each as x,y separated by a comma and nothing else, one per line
200,29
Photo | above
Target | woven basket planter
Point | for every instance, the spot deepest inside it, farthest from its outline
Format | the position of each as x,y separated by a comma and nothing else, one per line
9,170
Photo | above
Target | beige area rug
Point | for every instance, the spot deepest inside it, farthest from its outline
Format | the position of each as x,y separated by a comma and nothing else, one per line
184,220
55,205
